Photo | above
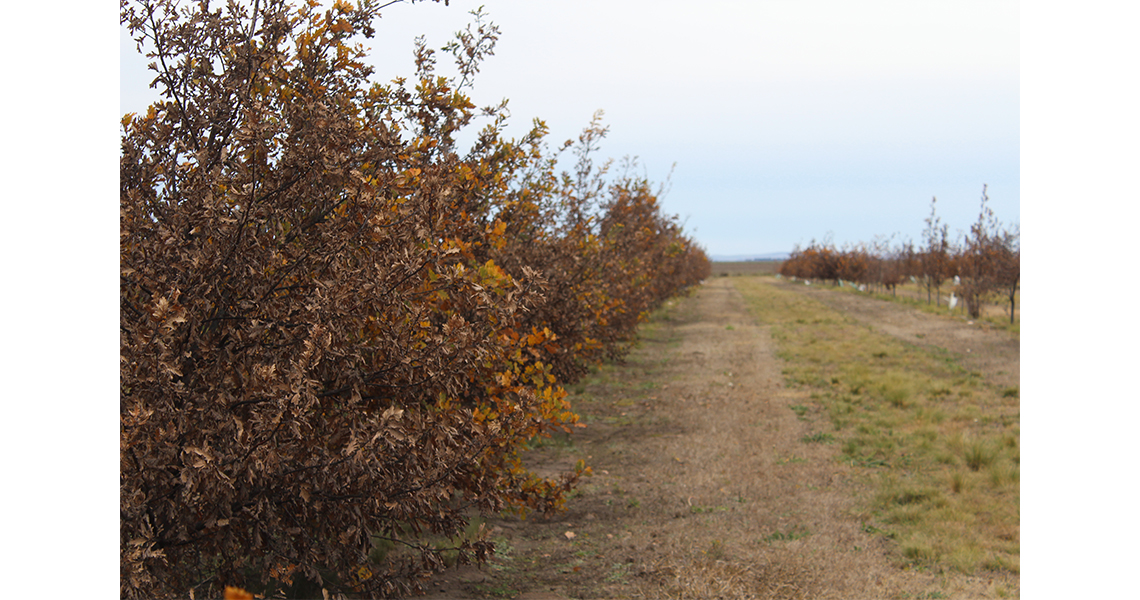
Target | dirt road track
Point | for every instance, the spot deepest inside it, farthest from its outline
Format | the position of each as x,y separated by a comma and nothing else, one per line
703,487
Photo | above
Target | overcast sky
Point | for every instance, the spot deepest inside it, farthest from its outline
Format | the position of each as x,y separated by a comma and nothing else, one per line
788,120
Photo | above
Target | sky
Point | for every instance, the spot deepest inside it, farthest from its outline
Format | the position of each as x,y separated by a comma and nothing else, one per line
780,121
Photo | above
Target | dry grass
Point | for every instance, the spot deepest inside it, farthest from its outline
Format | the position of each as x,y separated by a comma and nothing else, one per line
679,579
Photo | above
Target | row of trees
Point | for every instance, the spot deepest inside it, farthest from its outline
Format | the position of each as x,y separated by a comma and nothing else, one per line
984,263
338,329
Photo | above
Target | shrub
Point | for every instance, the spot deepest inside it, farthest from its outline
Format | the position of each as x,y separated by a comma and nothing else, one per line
335,330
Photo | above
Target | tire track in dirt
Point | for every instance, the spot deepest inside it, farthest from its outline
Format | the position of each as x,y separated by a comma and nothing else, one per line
703,487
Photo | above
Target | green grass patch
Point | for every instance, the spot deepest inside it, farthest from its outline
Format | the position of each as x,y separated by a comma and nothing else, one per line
699,510
800,410
786,536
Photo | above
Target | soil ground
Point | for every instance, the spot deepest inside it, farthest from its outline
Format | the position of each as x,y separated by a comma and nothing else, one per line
702,487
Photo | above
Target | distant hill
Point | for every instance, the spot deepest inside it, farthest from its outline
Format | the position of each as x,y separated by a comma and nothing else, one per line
748,257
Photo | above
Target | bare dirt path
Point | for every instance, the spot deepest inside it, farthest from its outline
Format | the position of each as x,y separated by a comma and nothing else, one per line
993,354
702,486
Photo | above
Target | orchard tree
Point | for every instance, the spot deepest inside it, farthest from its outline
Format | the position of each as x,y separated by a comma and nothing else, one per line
853,264
990,261
936,257
1008,266
891,264
314,363
983,253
